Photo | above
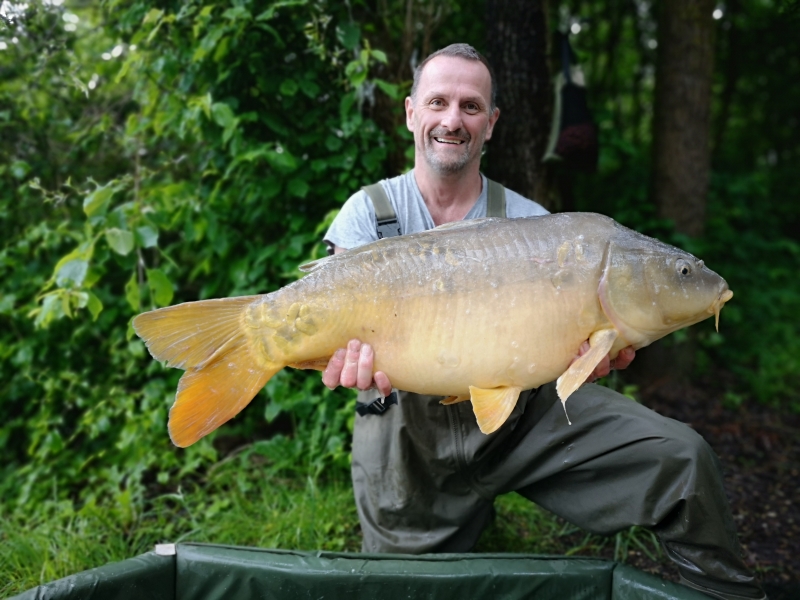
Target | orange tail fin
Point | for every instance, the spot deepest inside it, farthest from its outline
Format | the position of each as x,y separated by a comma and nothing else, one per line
223,373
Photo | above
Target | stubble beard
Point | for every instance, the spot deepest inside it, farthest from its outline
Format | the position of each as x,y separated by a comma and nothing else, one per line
442,165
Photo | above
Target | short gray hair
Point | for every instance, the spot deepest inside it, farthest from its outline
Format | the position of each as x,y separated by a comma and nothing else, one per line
459,51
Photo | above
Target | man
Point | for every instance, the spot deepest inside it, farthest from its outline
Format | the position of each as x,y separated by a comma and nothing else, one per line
424,475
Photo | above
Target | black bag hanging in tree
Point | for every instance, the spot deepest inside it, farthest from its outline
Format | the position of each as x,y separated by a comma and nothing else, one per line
573,137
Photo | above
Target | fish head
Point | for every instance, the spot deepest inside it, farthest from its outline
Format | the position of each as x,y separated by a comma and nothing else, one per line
650,289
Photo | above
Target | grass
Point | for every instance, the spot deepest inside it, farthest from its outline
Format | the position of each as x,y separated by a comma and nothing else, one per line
241,504
55,540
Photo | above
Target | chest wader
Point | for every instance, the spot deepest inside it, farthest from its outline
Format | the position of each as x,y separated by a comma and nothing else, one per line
425,477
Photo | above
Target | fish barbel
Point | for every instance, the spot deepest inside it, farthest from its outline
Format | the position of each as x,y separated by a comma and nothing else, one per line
474,310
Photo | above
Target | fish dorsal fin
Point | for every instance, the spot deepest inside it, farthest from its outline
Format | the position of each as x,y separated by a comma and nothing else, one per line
315,264
467,223
493,406
600,342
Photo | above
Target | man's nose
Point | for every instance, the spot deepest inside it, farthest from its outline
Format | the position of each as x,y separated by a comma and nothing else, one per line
451,119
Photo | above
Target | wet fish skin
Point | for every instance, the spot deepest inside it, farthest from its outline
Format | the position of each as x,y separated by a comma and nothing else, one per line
474,309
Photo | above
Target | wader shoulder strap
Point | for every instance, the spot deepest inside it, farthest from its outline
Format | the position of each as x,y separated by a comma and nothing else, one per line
387,219
495,199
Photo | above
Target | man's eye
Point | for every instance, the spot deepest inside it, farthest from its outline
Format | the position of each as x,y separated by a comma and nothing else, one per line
472,107
437,103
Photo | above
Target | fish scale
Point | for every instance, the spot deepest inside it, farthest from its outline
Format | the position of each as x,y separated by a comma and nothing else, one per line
474,310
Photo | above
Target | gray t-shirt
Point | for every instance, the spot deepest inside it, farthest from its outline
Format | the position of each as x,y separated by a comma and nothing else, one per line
356,225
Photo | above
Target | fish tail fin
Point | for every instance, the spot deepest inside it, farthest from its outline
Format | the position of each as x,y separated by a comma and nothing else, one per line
224,368
213,395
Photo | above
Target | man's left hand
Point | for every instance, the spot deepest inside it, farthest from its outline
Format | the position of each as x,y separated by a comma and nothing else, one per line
605,366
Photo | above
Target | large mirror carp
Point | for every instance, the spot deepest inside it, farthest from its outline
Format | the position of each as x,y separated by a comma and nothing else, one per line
474,310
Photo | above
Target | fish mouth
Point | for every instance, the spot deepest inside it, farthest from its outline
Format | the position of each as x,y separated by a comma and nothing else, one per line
724,296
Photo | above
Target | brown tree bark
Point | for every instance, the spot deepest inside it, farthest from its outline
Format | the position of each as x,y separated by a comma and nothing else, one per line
682,113
518,49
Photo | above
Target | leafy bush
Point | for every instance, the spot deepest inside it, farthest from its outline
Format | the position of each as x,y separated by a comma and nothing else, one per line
193,156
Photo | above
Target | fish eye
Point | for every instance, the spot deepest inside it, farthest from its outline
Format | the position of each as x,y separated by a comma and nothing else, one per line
683,267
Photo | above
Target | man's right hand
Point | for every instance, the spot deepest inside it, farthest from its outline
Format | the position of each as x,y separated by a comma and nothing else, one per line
352,368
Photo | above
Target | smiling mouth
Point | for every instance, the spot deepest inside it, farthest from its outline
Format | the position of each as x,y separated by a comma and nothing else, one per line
451,142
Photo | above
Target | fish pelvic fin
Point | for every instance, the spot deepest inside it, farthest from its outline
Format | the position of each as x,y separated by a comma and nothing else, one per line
492,406
211,340
600,343
453,400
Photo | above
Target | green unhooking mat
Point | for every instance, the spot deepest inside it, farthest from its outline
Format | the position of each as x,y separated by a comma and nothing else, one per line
208,572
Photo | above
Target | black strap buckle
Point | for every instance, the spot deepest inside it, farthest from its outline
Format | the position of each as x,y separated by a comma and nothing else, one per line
388,228
377,406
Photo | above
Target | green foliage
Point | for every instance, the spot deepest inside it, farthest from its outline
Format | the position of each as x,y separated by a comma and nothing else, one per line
178,152
751,230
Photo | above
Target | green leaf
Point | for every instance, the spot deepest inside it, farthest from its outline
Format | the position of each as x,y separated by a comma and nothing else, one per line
147,236
19,169
348,35
310,88
160,286
7,303
275,124
237,12
51,310
390,89
97,201
72,273
356,72
380,56
132,294
298,187
65,306
222,114
224,117
94,305
152,16
289,87
121,241
333,143
282,160
273,410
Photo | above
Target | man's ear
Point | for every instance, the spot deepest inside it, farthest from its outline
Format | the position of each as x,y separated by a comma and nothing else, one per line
409,113
492,120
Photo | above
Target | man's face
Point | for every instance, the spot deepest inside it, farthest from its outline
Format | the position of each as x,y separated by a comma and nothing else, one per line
451,116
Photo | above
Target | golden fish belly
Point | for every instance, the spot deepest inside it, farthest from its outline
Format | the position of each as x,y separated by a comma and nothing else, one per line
520,335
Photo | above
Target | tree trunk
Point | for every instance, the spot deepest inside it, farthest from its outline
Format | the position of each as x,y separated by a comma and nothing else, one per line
682,112
518,49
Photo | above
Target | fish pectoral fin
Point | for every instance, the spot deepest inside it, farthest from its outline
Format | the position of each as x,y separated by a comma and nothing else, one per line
493,406
318,364
600,343
454,399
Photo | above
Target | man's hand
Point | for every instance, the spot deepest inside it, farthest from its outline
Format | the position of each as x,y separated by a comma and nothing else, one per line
352,367
605,366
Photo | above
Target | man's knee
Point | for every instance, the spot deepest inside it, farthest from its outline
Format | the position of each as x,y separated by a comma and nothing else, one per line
684,448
